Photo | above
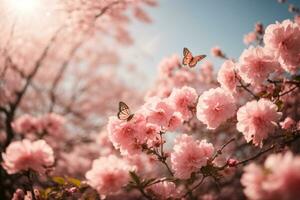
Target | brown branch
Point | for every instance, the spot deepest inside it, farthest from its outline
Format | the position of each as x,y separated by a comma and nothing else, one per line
20,94
255,156
2,109
246,87
190,191
106,8
286,92
60,74
72,53
284,81
219,151
273,146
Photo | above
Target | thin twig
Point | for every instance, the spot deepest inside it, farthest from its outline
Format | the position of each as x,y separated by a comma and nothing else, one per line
290,90
193,188
256,156
219,151
30,184
247,89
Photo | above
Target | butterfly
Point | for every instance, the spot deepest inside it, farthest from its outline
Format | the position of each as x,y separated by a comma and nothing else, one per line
188,58
124,112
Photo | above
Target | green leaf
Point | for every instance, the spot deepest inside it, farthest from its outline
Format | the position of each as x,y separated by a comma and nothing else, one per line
59,180
135,177
297,78
279,104
74,181
45,192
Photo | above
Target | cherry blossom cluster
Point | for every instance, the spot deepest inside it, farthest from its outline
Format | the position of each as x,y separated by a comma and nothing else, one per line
51,124
196,134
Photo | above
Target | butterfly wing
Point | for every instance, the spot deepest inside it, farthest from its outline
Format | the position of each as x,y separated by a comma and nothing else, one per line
187,56
195,60
124,112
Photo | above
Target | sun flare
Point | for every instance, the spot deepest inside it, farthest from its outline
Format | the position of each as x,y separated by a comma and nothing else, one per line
24,6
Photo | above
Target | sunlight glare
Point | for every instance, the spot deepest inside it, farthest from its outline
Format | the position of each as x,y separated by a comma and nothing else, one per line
24,6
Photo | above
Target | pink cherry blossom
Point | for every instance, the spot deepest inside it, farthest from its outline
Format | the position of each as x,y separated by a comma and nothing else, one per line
161,112
184,101
252,180
227,76
53,124
127,135
284,179
18,195
232,162
297,19
284,40
214,107
163,190
26,124
207,72
250,38
189,155
21,195
287,123
25,155
273,180
256,64
167,65
257,119
217,52
151,134
142,164
108,174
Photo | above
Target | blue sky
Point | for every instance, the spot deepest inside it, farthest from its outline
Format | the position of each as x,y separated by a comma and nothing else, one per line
199,25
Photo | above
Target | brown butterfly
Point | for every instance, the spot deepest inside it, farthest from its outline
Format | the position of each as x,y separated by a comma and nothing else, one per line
188,58
124,112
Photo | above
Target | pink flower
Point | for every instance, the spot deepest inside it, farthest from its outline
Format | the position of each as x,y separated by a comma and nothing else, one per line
142,164
273,180
128,135
287,123
249,38
25,155
167,65
26,124
257,119
214,107
163,190
162,113
18,195
232,162
151,134
255,65
108,174
284,40
189,155
53,124
217,52
252,180
283,179
227,77
184,100
206,72
297,19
